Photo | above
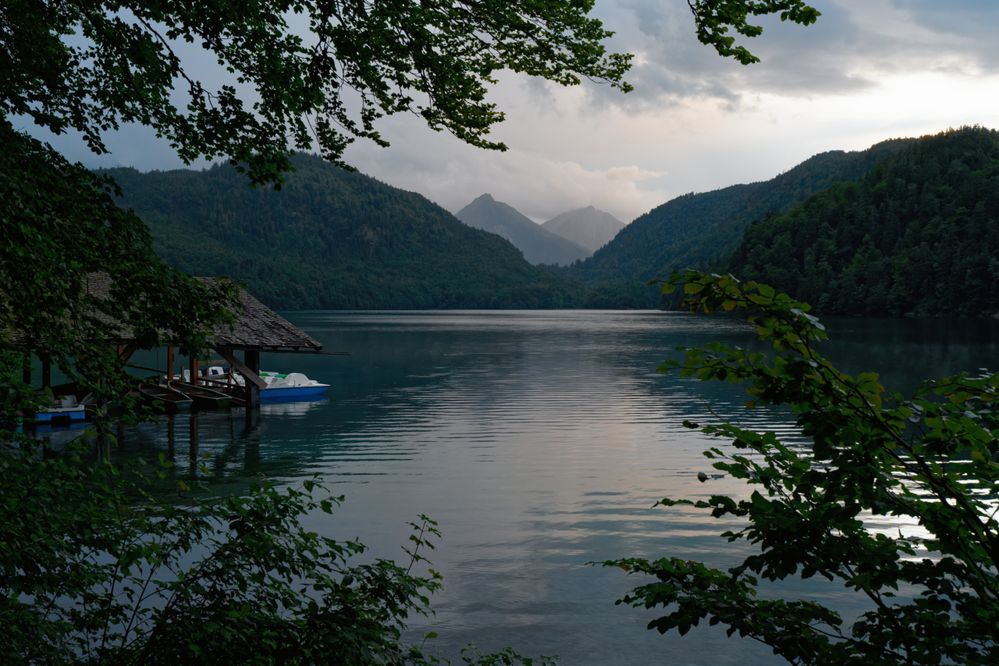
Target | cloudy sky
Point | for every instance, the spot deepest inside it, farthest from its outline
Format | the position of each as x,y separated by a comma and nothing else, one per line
867,71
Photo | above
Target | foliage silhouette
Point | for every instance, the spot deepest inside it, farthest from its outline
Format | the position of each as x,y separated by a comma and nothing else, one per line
930,459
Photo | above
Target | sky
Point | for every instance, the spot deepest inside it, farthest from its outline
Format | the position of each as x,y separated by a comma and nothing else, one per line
868,70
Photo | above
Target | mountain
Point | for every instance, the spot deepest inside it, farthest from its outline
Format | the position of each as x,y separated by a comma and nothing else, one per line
702,230
588,227
539,245
919,234
332,239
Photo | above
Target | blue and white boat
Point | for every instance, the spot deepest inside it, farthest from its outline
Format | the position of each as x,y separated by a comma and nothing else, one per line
66,410
280,386
290,386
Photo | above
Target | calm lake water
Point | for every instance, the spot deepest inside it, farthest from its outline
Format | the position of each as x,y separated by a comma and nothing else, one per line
539,441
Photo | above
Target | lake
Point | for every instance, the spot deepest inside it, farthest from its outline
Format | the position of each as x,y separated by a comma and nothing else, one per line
539,440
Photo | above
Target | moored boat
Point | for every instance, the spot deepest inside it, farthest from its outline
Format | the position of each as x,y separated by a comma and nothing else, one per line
290,386
280,386
203,396
170,398
66,410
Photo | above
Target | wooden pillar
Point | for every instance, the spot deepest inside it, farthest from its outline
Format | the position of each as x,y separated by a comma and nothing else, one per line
249,368
251,357
193,369
193,441
169,372
26,368
46,370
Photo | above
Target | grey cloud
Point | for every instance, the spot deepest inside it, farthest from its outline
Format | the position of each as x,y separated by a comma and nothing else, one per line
970,26
672,66
131,146
540,186
628,153
840,54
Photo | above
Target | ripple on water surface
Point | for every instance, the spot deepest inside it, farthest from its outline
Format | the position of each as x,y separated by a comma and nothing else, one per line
540,442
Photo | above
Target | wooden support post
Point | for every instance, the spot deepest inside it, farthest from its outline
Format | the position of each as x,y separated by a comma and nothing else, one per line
169,372
26,368
193,369
252,360
249,374
46,370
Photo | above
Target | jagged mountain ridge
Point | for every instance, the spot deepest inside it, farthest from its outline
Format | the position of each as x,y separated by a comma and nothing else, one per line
538,245
589,227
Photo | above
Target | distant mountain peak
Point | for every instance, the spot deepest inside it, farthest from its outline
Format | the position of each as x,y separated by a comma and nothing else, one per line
590,227
539,245
331,239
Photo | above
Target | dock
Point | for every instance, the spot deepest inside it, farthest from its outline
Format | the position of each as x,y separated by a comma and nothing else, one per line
255,328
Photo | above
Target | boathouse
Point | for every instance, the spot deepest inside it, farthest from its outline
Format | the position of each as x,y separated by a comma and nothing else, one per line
255,328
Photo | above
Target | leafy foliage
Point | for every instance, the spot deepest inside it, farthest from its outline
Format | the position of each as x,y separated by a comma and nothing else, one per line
290,65
714,18
930,458
332,239
919,234
63,233
93,569
702,230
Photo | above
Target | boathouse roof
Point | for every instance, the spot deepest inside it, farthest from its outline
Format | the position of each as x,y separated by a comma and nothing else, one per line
259,327
255,326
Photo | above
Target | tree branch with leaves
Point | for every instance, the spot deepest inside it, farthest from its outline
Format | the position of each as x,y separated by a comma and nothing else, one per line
930,459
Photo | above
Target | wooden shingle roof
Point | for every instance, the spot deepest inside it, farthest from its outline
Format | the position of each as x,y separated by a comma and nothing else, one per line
255,325
259,327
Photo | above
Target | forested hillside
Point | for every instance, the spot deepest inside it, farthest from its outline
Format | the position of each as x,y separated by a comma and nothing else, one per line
702,230
332,239
919,234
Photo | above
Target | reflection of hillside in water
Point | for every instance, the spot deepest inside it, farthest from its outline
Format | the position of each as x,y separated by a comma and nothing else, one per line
286,438
540,441
412,378
907,351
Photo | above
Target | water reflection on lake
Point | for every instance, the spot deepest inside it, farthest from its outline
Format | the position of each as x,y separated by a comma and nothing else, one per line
539,441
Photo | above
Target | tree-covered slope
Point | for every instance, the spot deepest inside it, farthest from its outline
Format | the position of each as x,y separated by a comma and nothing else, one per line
702,230
539,245
332,239
919,234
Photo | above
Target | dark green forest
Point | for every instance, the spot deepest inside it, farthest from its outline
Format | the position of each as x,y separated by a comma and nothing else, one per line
851,233
333,239
702,230
918,235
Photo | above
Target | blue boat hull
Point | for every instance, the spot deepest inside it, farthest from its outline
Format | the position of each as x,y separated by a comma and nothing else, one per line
67,416
292,393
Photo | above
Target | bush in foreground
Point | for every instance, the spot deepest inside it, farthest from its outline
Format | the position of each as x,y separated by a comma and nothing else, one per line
93,569
929,458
